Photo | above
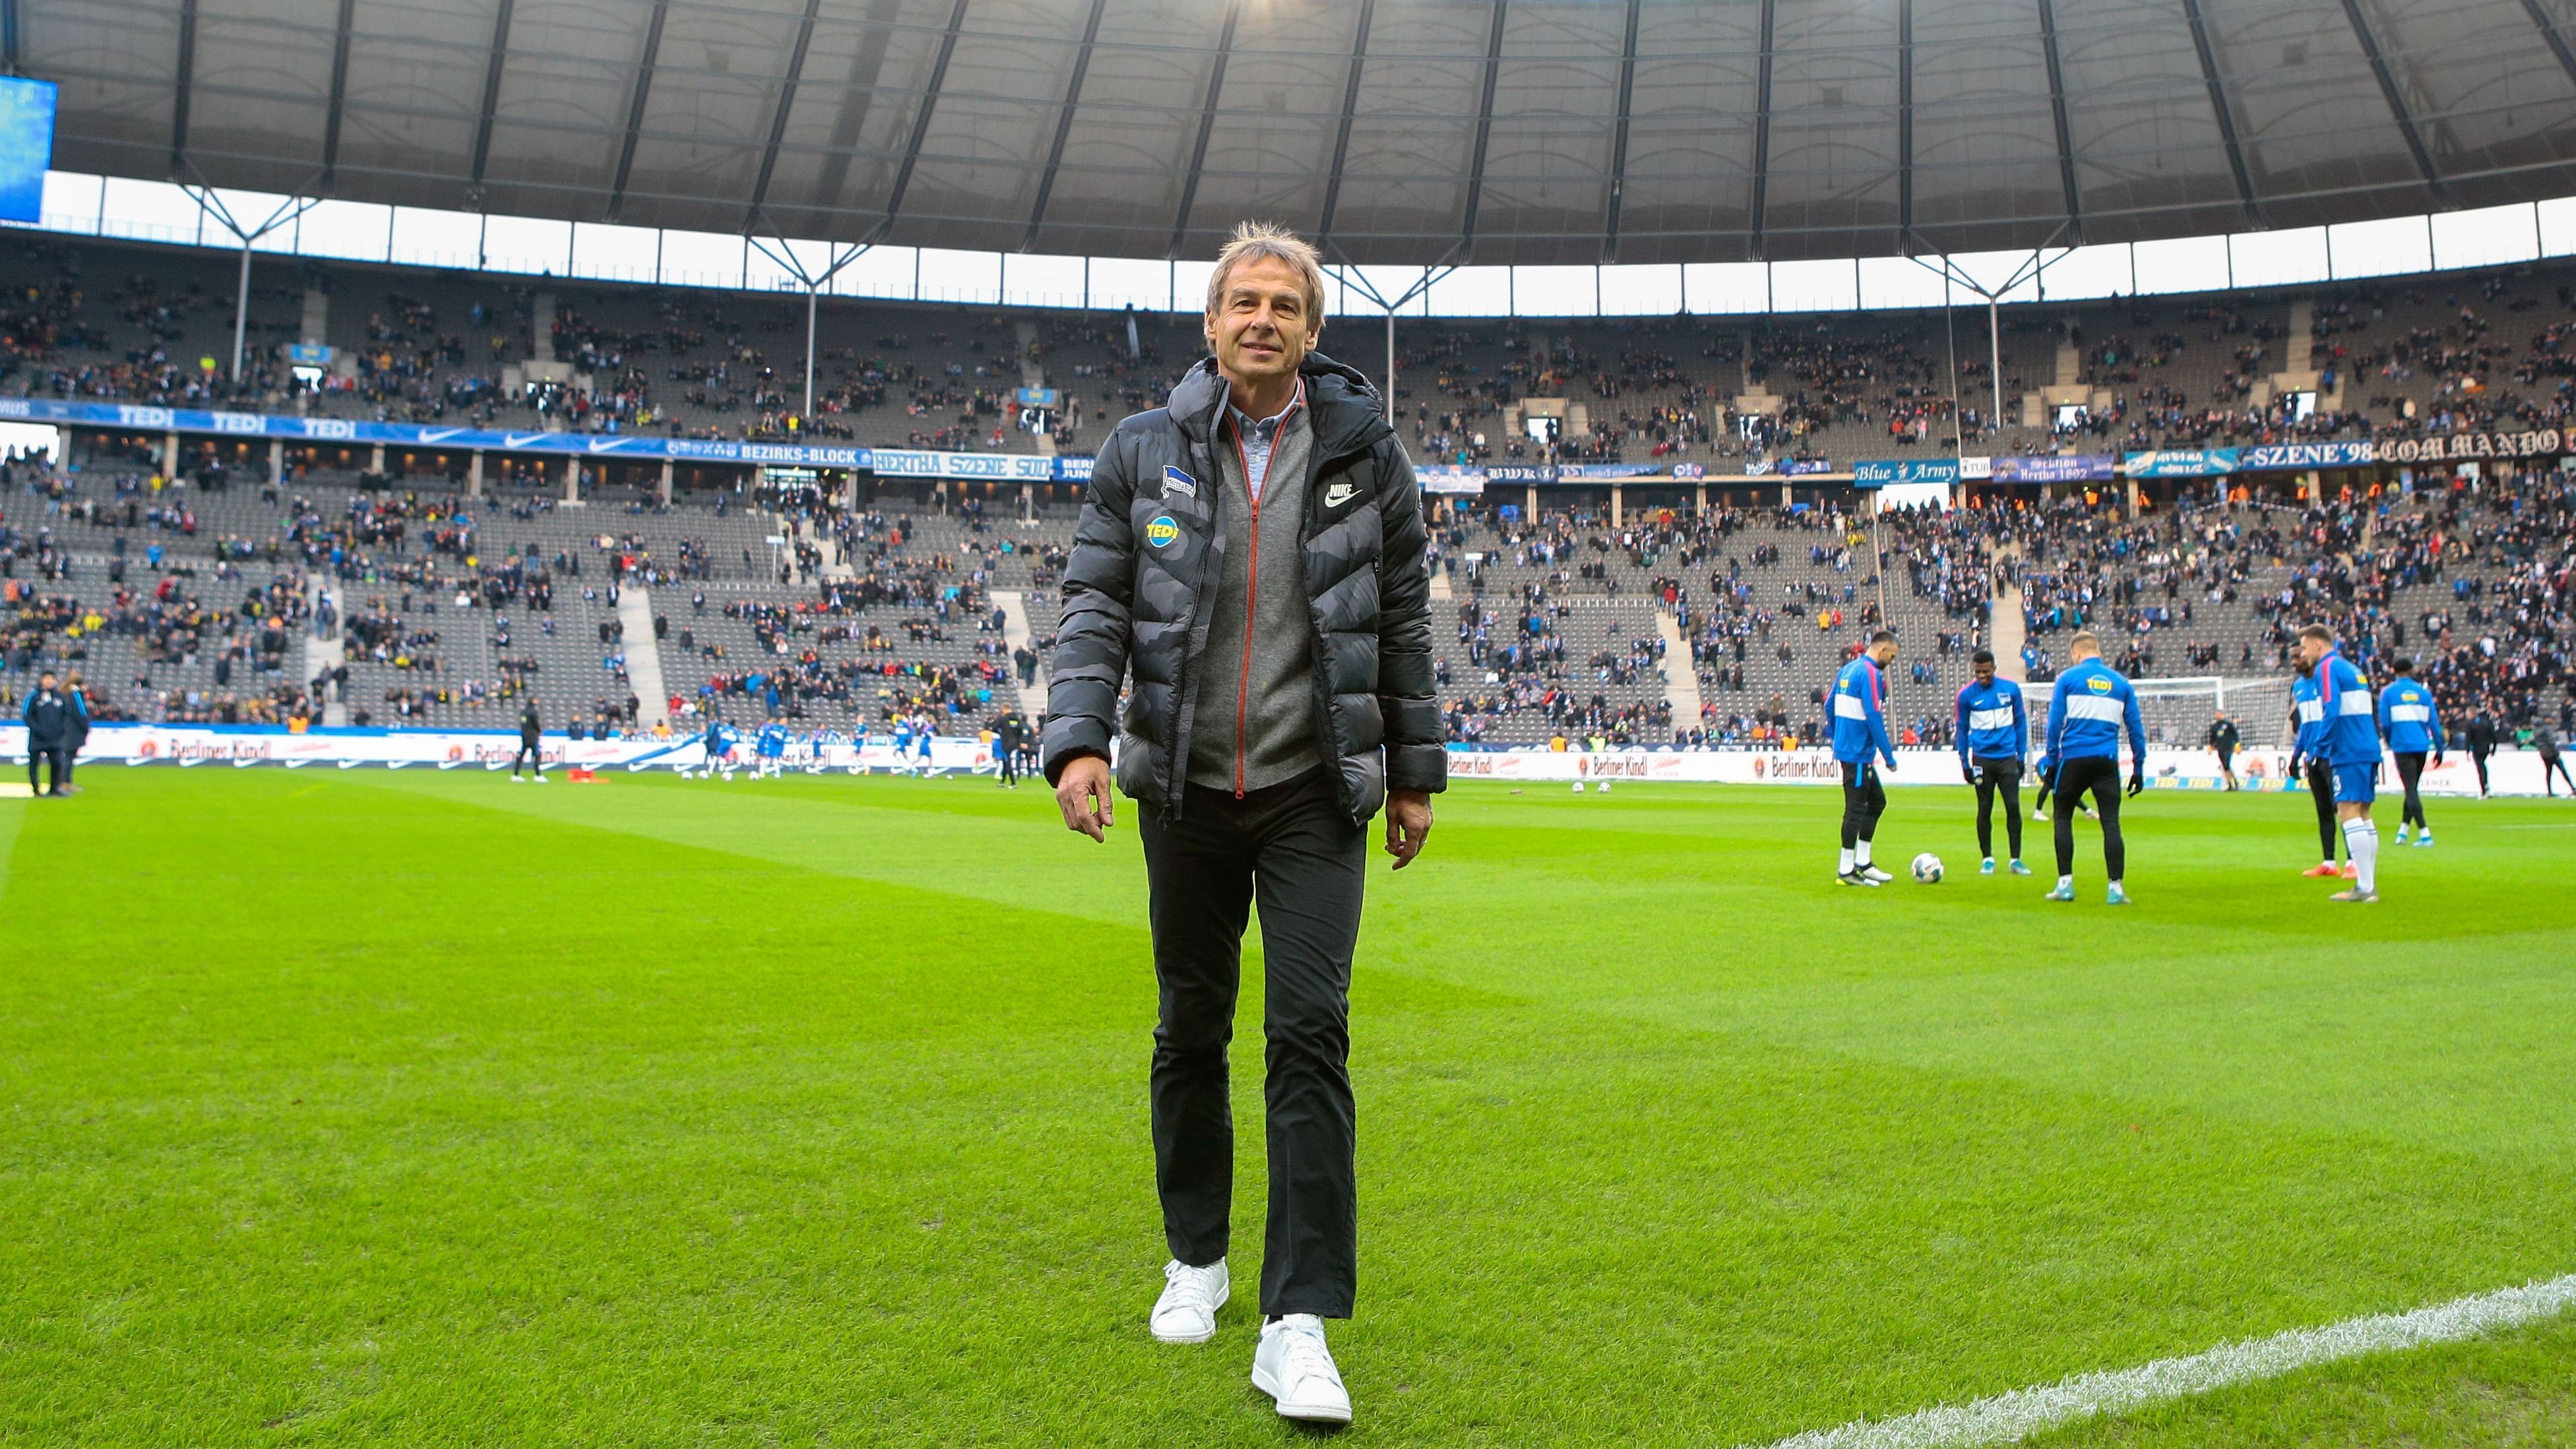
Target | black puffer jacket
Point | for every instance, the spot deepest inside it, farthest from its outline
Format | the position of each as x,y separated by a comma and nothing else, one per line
1368,591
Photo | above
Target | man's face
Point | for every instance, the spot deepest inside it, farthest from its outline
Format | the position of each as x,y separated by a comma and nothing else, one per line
2310,650
45,682
1984,670
1884,653
1260,329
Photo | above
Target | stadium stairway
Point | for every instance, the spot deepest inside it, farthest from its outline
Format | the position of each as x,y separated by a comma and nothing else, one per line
643,655
2004,627
1015,632
1681,677
326,654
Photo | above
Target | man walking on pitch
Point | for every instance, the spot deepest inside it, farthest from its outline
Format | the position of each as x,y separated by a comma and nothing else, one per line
1993,730
2412,727
48,715
2308,762
2552,767
2351,748
2482,743
2085,713
1860,731
2224,739
1255,552
530,733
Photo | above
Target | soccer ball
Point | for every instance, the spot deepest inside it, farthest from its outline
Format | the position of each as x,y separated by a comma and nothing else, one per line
1927,869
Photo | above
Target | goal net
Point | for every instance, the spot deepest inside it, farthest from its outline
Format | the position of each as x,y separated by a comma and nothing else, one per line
2178,711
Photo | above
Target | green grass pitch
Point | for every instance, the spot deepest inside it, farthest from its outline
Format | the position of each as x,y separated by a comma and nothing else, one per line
414,1108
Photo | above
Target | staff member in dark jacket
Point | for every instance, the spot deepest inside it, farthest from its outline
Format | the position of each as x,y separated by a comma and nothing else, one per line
1254,552
530,734
50,719
2482,743
78,735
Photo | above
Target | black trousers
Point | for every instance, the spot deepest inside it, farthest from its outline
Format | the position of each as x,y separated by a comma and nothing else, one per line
2321,789
2479,759
528,752
2553,768
1998,777
1864,800
57,762
2410,770
1009,760
1293,848
2227,766
2101,779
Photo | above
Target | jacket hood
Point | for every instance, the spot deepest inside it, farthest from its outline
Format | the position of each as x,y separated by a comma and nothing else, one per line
1345,403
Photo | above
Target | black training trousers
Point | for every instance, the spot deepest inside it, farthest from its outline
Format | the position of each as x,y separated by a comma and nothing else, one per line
1009,760
2227,765
57,763
2479,759
2410,770
528,751
1294,848
2001,776
1864,800
2101,778
2553,768
2321,789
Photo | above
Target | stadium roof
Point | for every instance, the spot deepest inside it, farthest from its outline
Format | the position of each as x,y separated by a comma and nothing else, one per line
1411,131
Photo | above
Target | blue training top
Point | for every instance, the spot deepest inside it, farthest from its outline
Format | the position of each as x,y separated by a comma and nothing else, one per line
2351,715
2085,713
1992,722
2408,719
1860,725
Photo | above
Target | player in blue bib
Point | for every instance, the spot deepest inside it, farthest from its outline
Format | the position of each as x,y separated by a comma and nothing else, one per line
1993,731
2350,744
2092,701
1859,704
2412,726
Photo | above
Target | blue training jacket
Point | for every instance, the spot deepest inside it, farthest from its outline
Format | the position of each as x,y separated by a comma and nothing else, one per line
2408,719
1860,724
2085,713
2351,715
1992,723
2311,715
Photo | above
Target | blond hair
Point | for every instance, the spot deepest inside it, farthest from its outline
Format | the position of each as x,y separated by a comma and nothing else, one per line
1253,240
2087,639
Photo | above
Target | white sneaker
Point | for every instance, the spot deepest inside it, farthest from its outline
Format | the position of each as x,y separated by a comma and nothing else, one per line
1186,1313
541,779
1874,873
1293,1367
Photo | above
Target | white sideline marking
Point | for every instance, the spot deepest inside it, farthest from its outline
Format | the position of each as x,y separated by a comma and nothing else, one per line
2009,1418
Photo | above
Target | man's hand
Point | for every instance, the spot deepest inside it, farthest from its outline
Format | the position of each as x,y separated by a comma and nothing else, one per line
1891,764
1967,772
2437,759
1082,792
1408,824
2137,782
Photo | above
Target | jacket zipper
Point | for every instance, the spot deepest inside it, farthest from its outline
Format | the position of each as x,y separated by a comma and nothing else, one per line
1251,608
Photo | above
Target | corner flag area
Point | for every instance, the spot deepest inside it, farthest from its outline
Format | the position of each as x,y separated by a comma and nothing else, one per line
400,1107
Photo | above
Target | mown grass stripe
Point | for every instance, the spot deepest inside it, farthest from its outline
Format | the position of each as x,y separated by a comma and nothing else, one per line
2010,1418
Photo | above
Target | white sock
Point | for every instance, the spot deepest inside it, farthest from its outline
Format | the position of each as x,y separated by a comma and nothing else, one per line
2066,882
1847,863
2361,837
1861,856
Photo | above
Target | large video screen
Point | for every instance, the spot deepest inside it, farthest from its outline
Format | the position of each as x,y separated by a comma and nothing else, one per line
26,146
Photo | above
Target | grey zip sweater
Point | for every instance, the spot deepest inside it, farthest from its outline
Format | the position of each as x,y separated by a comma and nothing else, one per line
1255,721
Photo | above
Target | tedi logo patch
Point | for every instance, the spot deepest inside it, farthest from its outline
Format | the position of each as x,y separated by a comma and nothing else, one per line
2098,685
1162,531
